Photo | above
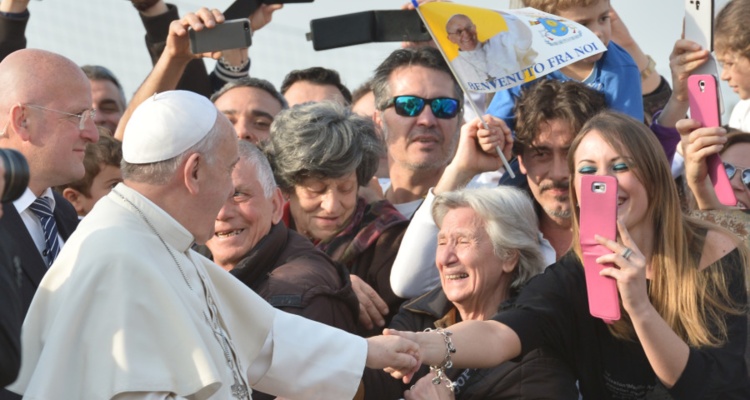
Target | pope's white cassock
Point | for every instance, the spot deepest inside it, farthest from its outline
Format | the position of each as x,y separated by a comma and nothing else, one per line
116,317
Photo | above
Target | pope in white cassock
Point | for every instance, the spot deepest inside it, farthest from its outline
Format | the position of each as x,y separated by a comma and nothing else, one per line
503,54
129,311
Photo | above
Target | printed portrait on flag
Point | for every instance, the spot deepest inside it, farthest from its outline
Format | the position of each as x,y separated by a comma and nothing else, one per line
507,51
491,50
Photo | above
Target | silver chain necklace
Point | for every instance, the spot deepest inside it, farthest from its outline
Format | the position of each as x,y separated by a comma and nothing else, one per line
240,388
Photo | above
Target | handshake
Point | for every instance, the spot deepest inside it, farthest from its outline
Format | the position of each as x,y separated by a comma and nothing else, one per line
401,353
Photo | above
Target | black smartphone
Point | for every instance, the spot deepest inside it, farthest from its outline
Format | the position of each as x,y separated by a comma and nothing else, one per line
367,27
243,8
285,1
232,34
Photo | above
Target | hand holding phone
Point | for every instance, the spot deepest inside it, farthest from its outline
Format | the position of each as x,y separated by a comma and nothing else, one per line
598,205
704,108
232,34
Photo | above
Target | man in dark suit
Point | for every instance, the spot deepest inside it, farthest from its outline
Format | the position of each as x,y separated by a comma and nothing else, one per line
10,304
44,114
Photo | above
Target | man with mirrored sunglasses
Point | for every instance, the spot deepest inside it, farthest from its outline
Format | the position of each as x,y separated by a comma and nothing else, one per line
420,110
412,106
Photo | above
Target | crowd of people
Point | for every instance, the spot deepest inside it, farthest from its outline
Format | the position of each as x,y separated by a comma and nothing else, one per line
217,238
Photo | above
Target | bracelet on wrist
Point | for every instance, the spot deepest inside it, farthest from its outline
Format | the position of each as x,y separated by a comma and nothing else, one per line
439,370
234,68
649,69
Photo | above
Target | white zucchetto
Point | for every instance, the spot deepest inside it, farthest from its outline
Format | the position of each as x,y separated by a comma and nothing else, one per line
165,125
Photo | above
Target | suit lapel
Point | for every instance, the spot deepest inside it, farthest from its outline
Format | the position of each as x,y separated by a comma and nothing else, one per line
65,216
34,267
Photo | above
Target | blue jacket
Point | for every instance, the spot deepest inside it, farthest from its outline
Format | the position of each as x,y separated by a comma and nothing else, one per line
615,74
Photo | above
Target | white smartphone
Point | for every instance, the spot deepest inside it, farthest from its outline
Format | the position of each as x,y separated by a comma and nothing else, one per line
232,34
699,22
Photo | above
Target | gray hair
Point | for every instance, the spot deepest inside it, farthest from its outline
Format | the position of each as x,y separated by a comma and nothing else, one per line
100,73
427,57
250,153
160,172
257,83
322,140
509,220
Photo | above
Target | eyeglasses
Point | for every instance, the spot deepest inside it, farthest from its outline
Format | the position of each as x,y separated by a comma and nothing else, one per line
90,114
460,32
412,106
732,170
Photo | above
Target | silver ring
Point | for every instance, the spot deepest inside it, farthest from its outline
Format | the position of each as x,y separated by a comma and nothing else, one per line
627,253
412,387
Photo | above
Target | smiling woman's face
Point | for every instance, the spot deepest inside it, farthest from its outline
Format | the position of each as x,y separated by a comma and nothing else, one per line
594,156
470,272
322,207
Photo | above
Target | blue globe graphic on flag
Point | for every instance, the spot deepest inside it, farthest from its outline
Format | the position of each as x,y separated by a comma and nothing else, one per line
554,27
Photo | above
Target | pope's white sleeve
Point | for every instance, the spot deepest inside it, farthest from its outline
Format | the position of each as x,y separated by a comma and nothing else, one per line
414,272
148,396
304,359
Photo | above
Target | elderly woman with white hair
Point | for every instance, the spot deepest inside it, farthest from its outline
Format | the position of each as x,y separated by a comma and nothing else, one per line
488,248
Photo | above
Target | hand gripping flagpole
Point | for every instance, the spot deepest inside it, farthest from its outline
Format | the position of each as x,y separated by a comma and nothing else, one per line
473,105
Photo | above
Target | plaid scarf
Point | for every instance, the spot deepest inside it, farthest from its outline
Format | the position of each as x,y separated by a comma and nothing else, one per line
366,225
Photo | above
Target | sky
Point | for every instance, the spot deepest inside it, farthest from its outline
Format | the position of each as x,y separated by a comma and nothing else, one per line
110,33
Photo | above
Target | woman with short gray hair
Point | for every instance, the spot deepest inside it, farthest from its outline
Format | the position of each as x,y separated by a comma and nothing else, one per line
321,153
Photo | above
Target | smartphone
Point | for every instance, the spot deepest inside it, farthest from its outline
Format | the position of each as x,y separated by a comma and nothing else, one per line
367,27
232,34
598,205
699,27
704,107
243,8
285,1
699,22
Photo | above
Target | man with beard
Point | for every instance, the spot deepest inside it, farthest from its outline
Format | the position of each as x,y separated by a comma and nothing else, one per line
549,114
419,109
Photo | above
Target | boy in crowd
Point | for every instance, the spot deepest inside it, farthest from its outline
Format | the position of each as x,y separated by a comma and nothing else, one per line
731,45
102,163
614,73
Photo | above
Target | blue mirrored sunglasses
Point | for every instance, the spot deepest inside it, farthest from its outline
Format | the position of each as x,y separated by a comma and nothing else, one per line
732,170
412,106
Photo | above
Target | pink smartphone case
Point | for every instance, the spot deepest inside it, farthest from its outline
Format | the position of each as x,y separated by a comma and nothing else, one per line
704,107
599,217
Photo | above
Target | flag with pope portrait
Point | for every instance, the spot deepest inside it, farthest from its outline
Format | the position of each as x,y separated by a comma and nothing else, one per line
491,50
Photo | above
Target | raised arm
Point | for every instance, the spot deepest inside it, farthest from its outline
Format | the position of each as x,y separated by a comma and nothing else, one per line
13,19
414,271
621,35
175,57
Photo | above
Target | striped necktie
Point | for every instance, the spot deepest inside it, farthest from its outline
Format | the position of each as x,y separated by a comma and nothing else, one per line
42,209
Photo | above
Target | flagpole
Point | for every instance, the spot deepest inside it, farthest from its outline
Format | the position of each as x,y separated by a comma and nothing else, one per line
474,107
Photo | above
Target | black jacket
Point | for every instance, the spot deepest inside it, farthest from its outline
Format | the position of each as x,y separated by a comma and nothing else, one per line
10,313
